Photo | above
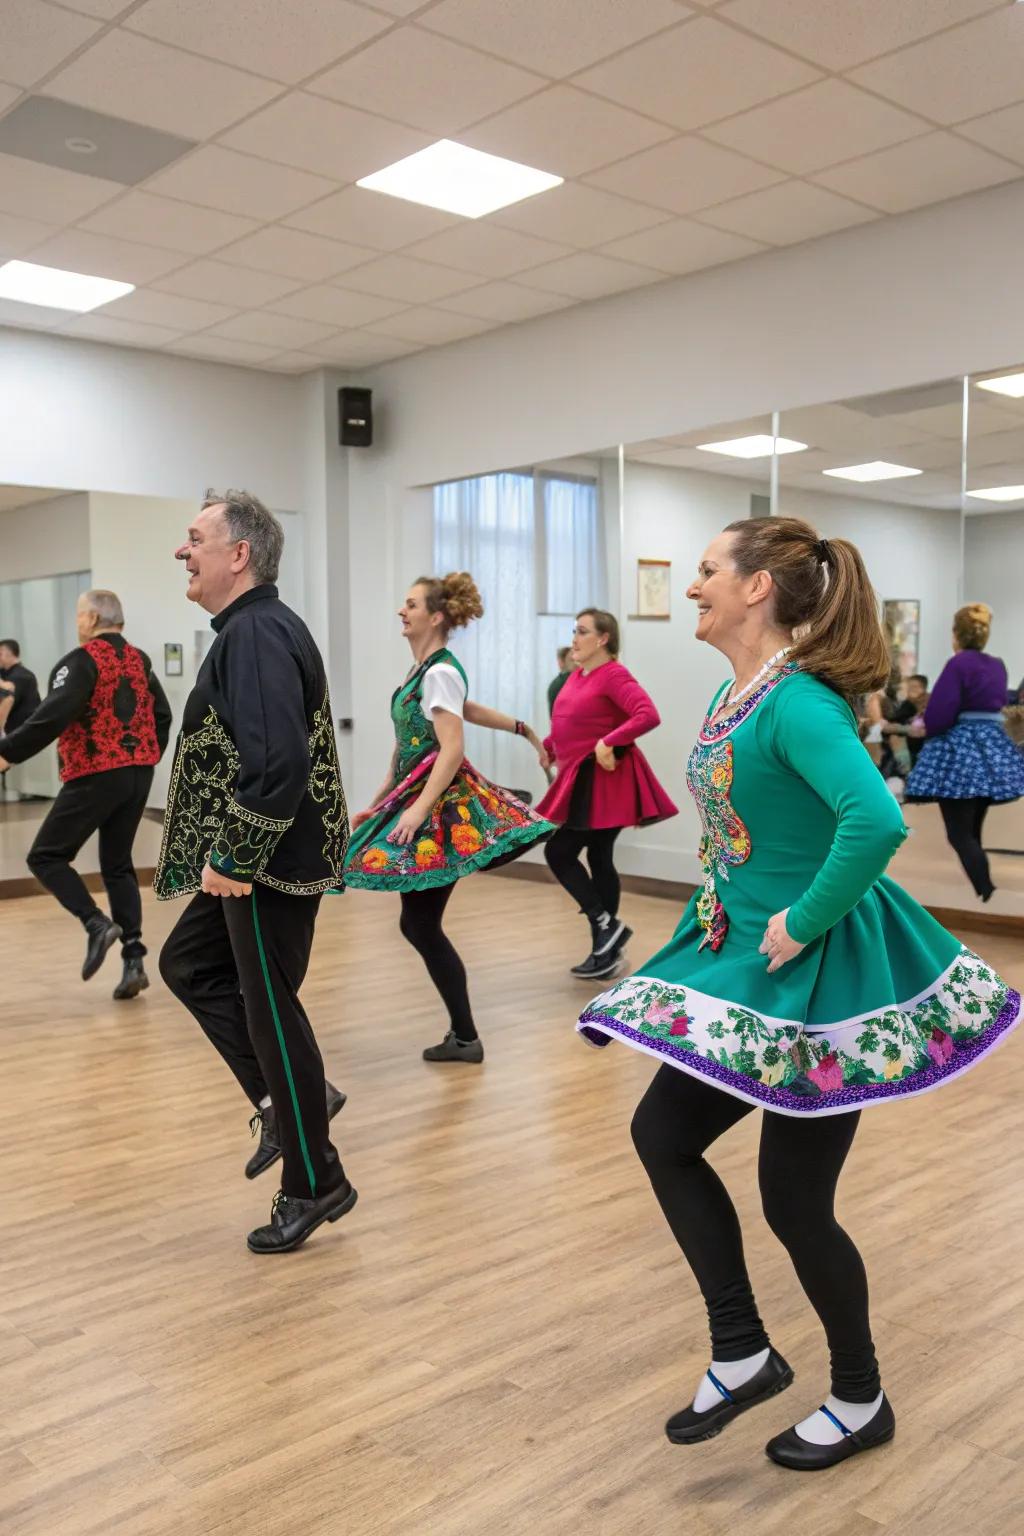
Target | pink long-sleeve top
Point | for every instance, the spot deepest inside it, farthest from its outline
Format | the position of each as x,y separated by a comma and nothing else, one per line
606,704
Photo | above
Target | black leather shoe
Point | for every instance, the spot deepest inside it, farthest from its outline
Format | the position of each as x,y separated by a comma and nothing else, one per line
801,1456
100,936
265,1121
293,1220
688,1426
132,982
454,1049
604,961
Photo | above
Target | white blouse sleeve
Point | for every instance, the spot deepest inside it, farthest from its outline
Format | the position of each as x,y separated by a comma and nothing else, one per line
443,688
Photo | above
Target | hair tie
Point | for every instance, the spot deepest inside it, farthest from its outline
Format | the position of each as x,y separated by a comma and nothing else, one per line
823,552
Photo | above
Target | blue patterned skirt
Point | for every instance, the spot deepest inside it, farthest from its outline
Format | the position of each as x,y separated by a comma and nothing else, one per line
974,760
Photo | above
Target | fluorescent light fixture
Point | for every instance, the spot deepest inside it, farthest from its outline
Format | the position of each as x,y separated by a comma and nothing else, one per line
55,289
1011,384
459,180
999,493
878,469
760,446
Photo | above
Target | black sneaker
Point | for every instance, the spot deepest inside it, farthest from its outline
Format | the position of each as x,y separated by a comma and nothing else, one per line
100,936
293,1220
133,981
265,1121
454,1049
604,961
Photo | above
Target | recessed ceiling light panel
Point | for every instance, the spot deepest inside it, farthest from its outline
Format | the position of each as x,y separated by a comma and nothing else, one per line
760,446
999,493
457,179
55,289
1011,384
877,469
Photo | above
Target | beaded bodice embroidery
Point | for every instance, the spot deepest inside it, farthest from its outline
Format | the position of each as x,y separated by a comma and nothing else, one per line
414,729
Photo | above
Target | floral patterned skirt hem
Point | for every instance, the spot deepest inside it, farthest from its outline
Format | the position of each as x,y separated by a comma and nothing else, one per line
898,1052
501,852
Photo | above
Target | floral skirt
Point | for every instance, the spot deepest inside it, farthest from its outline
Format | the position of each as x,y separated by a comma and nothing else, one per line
474,825
975,760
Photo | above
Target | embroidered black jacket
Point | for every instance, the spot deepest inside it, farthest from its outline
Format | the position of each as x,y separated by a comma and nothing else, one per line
255,789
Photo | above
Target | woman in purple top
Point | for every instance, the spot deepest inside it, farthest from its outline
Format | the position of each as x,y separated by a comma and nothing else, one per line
968,762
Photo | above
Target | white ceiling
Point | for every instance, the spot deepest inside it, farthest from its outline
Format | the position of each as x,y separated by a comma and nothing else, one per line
14,496
690,133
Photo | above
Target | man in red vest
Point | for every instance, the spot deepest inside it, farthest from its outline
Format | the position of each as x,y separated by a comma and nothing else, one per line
110,718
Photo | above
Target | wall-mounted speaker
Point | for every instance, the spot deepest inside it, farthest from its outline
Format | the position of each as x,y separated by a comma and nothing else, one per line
355,417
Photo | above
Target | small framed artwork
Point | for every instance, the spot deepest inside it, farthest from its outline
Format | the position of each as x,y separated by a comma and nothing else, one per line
901,617
653,589
173,665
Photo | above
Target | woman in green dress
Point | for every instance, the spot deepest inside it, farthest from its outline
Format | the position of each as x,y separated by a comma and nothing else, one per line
436,819
799,979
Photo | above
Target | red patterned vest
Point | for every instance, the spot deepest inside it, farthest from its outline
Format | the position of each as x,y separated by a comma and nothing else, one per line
118,730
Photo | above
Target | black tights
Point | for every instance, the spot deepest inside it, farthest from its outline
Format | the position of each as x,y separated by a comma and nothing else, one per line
800,1162
420,923
597,891
964,820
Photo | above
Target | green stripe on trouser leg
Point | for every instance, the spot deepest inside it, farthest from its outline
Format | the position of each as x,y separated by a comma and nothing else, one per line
284,1049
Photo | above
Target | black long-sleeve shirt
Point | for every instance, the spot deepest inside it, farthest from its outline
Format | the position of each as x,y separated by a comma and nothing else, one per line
26,694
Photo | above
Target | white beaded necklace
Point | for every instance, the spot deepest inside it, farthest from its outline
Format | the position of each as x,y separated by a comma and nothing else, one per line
733,698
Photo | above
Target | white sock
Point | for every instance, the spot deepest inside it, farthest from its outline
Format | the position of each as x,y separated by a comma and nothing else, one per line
819,1430
265,1101
732,1374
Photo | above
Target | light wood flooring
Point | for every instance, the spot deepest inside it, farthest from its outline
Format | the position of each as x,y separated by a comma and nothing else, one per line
489,1344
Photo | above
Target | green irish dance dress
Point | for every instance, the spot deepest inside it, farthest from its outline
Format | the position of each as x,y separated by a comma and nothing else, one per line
474,825
881,1004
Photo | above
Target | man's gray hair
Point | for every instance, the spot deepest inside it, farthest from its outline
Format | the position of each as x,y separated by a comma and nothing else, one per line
247,518
106,606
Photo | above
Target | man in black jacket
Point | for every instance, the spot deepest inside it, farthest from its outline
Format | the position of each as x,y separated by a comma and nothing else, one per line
257,828
19,690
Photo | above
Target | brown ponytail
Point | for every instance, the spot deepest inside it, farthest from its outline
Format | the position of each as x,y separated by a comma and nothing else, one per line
455,596
821,589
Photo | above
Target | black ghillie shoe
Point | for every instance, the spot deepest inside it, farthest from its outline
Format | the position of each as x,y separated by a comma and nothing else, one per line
688,1427
802,1456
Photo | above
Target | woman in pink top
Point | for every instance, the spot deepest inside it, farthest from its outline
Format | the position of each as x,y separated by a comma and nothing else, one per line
603,783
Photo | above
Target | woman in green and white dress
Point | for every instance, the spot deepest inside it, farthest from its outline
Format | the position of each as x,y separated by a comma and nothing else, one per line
799,979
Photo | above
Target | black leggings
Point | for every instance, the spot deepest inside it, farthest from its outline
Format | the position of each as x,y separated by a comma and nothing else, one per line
597,891
420,923
800,1162
964,820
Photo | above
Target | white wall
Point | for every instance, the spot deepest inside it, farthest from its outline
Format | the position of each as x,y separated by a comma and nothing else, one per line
46,538
994,546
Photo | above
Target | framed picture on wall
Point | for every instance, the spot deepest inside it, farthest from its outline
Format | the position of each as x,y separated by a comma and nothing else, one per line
653,589
173,659
901,617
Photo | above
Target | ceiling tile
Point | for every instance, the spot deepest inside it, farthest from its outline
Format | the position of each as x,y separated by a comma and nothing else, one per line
167,309
787,214
697,74
554,39
431,327
37,37
685,175
818,126
361,349
282,39
295,362
923,171
219,349
20,235
37,317
403,278
8,94
105,10
565,132
337,307
125,333
487,250
295,254
396,7
577,215
1001,131
973,69
321,136
102,256
232,183
681,246
588,276
44,129
43,192
840,36
371,218
171,224
431,82
218,283
160,86
504,302
268,330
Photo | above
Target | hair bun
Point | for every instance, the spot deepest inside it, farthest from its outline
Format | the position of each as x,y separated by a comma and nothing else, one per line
460,598
972,625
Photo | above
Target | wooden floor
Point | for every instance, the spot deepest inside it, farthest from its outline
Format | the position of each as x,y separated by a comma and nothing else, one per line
489,1344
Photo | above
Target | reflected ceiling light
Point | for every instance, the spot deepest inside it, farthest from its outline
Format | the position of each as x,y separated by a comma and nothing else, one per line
458,179
55,289
878,469
999,493
760,446
1011,384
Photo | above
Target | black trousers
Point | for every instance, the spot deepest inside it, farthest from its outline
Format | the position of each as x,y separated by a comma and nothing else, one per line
111,803
237,963
597,891
799,1166
964,820
421,925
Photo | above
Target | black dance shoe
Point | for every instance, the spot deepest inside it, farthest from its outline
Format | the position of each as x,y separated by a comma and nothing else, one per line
293,1220
132,982
606,953
801,1456
100,936
265,1121
454,1049
688,1426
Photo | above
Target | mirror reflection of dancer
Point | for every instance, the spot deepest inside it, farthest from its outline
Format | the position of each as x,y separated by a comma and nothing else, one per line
863,997
604,782
435,818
